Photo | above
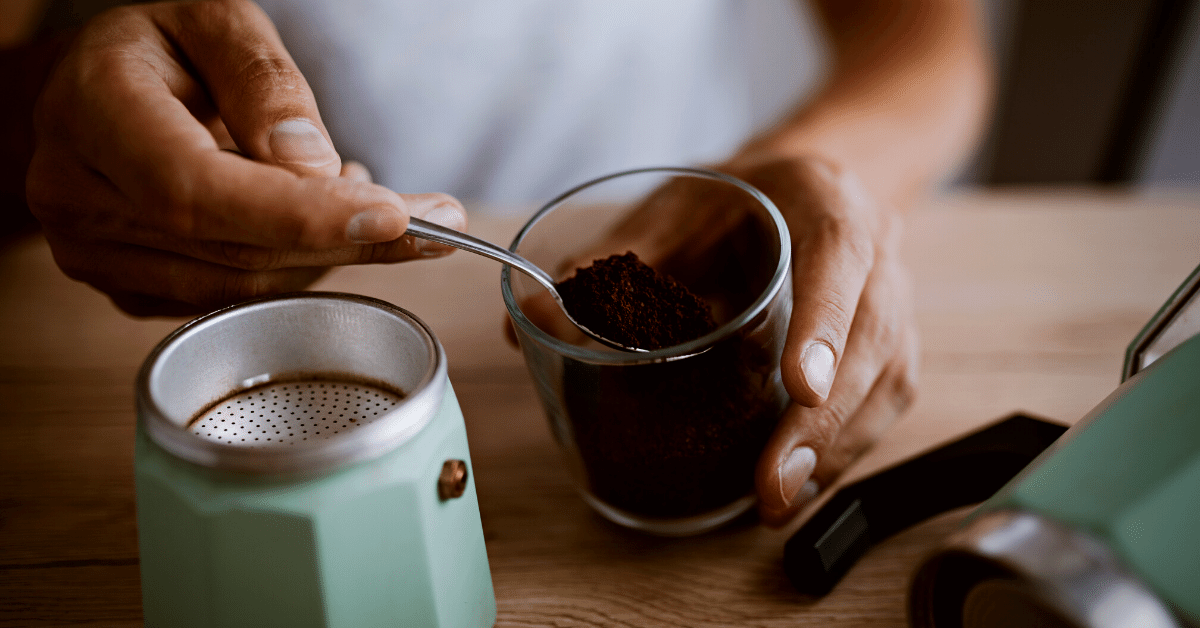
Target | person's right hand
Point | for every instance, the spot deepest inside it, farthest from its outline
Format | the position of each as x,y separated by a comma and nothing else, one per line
141,194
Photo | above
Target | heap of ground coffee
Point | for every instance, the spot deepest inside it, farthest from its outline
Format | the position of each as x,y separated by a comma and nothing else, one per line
624,300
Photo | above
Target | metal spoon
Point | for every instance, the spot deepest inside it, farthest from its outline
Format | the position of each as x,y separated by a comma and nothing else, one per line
459,240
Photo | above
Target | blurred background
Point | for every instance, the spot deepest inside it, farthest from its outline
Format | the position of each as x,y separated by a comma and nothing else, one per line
1094,91
1090,91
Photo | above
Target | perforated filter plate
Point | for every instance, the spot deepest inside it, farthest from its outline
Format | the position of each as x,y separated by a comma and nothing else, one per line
286,413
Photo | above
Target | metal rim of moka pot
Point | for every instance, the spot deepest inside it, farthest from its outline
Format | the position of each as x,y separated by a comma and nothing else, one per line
774,285
290,337
1011,568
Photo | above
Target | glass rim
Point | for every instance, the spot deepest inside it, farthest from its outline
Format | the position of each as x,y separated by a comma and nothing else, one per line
674,352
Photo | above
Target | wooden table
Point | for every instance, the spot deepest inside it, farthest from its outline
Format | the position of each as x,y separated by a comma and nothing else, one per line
1026,301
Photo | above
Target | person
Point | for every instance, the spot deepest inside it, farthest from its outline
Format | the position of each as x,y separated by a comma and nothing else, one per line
176,160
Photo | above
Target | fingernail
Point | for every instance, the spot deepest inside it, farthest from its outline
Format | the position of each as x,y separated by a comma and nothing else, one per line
447,216
298,141
378,224
817,366
806,493
794,475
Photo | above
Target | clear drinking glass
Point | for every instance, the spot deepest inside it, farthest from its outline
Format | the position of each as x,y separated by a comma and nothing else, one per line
664,441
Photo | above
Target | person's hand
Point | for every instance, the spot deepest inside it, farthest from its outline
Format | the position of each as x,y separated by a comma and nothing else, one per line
850,356
138,181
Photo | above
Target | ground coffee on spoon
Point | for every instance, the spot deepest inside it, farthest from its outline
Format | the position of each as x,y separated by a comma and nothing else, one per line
626,301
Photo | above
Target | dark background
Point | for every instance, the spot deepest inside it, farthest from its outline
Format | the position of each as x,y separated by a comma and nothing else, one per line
1094,91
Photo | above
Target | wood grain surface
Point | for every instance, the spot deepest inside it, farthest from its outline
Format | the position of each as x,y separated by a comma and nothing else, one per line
1026,300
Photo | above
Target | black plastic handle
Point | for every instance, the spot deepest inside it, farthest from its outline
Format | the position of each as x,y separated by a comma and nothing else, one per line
966,471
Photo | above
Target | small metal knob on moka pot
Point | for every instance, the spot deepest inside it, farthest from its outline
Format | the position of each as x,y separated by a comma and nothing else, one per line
452,481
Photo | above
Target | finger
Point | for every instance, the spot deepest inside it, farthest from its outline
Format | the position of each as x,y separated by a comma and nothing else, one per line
888,399
71,198
355,171
437,208
159,277
261,95
805,436
193,191
834,253
892,394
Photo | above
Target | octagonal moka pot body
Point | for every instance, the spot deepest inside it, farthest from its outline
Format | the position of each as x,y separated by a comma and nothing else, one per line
302,461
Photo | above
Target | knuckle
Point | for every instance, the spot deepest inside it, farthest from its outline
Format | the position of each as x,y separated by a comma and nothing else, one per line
118,14
819,168
261,72
827,424
218,15
848,450
880,330
242,285
292,230
239,285
439,200
247,257
839,184
840,455
255,68
310,228
109,67
831,310
848,237
387,251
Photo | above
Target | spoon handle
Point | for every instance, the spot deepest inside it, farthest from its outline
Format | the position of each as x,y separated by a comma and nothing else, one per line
459,240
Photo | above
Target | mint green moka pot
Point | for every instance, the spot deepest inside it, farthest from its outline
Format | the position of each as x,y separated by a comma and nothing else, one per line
302,461
1103,529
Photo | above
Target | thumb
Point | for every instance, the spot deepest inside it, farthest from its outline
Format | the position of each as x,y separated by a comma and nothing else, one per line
263,99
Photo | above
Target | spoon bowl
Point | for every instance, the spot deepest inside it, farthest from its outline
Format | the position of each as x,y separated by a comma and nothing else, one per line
436,233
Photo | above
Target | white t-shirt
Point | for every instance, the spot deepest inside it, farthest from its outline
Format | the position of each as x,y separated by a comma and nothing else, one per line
510,102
